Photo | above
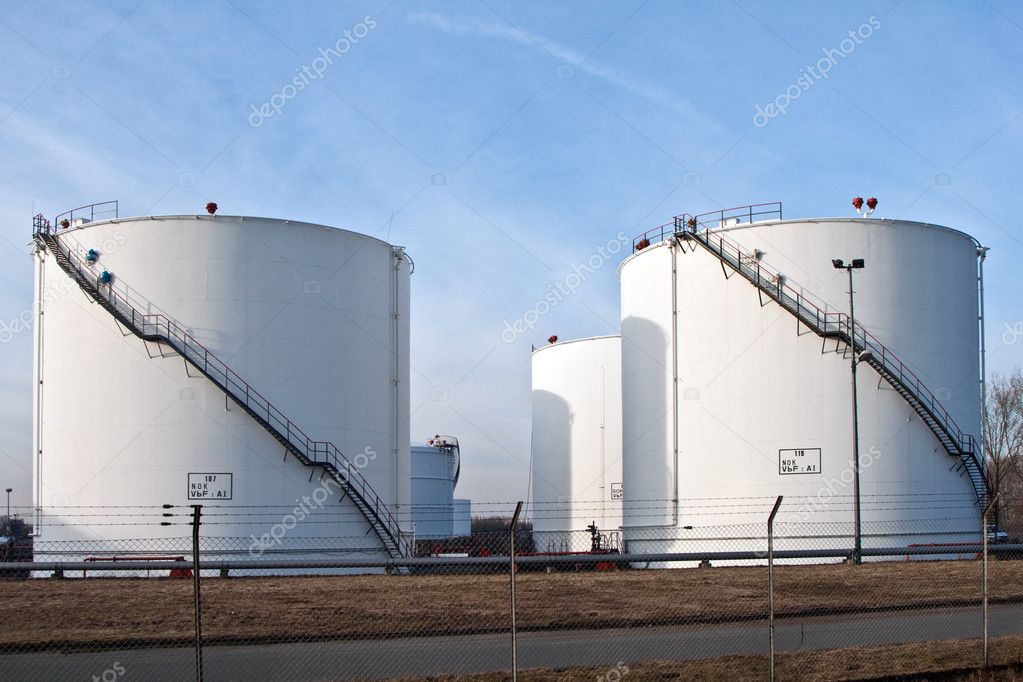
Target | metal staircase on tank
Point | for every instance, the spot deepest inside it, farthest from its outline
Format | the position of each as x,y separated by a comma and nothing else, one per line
160,328
699,229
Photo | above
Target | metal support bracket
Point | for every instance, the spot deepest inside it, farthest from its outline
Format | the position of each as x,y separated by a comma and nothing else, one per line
124,332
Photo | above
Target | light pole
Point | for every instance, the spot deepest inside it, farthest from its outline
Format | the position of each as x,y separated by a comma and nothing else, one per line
856,264
9,504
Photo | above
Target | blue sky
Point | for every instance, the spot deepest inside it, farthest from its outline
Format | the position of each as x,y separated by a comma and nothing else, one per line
502,142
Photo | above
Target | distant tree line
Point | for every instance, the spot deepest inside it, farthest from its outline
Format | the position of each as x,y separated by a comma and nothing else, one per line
16,544
14,528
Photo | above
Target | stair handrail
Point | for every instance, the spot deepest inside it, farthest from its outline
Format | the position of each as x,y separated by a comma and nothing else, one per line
771,210
103,208
778,286
150,324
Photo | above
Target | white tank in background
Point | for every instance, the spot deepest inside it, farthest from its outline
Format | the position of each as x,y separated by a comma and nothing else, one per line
435,471
462,525
313,318
576,442
728,402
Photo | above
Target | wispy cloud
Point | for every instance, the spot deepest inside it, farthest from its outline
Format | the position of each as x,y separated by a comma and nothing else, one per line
612,75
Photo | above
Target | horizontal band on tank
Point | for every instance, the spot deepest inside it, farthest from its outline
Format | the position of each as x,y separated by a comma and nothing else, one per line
810,221
585,338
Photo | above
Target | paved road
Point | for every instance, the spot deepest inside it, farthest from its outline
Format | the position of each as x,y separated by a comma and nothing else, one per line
433,655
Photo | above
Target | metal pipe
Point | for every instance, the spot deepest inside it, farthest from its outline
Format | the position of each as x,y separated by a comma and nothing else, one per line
397,254
511,569
981,256
196,513
37,390
674,380
499,561
857,530
770,577
984,531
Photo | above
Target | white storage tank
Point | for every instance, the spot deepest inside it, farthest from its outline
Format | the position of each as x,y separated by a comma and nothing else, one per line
728,402
314,318
576,442
435,471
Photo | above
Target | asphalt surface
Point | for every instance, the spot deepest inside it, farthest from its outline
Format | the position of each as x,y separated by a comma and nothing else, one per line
376,659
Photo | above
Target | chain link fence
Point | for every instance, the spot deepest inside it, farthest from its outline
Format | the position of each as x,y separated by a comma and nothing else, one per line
697,602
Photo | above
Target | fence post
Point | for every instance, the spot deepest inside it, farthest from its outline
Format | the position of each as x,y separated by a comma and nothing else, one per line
770,578
511,569
196,513
984,530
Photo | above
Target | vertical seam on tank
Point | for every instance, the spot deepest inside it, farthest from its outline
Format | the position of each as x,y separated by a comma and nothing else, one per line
603,445
674,377
395,350
38,454
981,255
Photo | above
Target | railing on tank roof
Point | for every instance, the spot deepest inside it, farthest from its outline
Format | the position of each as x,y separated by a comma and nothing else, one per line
712,219
103,210
323,453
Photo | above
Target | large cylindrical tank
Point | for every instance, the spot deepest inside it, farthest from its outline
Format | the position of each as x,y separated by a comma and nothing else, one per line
722,388
576,442
315,318
435,469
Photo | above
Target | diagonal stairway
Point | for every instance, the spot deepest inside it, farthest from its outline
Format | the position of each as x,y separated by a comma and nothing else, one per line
158,327
836,325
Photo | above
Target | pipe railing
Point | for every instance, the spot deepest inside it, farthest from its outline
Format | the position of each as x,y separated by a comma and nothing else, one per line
712,219
103,210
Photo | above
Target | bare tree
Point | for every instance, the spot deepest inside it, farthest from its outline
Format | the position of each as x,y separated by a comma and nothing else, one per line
1004,447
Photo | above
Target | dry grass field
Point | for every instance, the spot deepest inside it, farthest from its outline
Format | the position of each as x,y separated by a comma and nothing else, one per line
42,614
